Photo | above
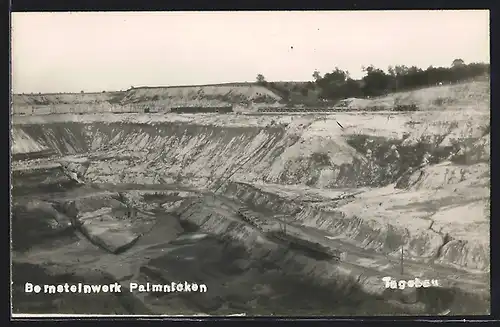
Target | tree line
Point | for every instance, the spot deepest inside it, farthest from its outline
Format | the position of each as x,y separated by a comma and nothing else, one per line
338,84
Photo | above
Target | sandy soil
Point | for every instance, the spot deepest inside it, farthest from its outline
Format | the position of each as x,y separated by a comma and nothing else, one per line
102,198
242,96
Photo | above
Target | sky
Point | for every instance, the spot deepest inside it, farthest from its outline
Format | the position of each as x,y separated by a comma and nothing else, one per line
109,51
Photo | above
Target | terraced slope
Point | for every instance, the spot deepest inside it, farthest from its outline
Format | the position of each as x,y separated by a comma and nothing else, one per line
364,184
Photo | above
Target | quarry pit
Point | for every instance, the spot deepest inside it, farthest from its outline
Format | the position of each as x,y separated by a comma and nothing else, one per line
162,197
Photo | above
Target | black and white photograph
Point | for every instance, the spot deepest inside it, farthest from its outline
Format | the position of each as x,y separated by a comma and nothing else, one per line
250,163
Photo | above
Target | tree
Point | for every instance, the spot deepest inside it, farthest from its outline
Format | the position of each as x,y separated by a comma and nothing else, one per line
261,79
333,79
457,63
391,71
316,75
376,81
331,84
351,89
337,76
310,85
401,70
398,74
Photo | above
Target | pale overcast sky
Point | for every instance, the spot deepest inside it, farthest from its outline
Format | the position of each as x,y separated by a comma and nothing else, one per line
70,52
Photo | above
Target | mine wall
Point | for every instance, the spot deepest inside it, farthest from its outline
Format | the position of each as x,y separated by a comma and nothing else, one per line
337,276
421,245
246,163
205,157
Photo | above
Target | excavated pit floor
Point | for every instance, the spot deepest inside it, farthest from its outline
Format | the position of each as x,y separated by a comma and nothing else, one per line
171,251
175,251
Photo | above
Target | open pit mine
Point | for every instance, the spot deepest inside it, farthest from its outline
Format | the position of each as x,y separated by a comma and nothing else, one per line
352,213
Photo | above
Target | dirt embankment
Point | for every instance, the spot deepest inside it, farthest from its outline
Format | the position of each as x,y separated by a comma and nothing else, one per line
244,96
358,272
466,95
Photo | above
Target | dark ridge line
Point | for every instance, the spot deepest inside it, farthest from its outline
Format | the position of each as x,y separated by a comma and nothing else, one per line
474,79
